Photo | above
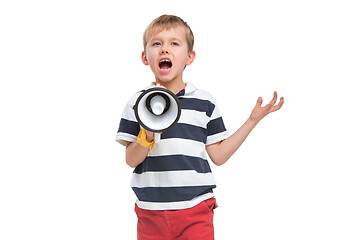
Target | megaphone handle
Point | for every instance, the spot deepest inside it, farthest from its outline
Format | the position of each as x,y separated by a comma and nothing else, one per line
157,137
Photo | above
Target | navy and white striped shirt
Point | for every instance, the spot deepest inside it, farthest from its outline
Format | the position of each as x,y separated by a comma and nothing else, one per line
176,174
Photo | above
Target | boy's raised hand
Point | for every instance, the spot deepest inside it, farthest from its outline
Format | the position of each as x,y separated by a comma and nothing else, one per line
259,112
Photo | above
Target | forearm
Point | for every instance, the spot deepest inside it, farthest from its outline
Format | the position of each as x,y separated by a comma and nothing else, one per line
222,151
135,154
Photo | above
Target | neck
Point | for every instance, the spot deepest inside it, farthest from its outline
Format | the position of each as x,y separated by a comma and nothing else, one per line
174,86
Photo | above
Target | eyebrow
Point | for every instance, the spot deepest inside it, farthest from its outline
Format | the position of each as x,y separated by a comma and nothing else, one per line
171,39
176,39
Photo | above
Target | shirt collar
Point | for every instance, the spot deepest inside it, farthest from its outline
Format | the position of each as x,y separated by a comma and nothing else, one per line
187,90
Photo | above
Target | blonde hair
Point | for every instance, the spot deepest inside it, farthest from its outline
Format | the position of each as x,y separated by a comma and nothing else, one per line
167,22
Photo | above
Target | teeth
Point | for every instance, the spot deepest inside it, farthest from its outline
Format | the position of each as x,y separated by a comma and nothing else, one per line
165,60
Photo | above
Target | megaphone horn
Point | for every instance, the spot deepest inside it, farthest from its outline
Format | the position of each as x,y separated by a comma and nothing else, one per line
157,109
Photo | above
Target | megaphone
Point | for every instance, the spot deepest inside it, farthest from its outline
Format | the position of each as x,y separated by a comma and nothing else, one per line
157,109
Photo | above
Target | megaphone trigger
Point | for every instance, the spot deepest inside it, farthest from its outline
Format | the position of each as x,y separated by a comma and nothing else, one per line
157,137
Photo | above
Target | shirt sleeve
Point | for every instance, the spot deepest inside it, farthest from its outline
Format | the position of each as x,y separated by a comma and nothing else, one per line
216,130
129,128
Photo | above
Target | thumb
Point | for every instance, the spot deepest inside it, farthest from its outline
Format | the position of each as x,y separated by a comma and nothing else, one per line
259,102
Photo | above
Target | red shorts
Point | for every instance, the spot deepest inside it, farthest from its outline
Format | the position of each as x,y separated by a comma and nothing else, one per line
186,224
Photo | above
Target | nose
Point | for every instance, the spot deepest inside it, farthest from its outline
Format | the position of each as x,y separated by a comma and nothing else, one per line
164,50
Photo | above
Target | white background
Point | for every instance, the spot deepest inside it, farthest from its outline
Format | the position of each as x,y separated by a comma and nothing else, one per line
67,69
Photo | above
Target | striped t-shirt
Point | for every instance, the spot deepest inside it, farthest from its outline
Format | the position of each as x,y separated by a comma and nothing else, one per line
176,173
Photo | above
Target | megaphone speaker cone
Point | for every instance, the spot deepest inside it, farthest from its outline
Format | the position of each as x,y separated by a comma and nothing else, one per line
157,103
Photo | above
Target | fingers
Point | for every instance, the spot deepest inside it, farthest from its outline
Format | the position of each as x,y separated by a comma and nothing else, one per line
149,136
271,107
277,107
273,101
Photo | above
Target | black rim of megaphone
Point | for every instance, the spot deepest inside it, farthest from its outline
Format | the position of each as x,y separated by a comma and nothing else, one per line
151,90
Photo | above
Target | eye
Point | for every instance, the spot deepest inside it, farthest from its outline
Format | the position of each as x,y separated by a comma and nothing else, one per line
174,44
156,44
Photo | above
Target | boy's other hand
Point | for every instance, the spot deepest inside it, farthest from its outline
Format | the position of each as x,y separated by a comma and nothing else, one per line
259,112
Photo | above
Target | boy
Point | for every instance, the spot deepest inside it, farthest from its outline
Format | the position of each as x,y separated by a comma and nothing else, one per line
173,182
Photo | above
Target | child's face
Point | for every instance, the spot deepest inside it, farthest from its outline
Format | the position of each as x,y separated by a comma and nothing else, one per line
167,54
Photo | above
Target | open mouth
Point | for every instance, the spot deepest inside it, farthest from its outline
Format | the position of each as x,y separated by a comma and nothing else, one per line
165,64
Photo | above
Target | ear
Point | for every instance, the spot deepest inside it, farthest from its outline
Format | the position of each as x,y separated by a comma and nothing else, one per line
191,58
143,58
